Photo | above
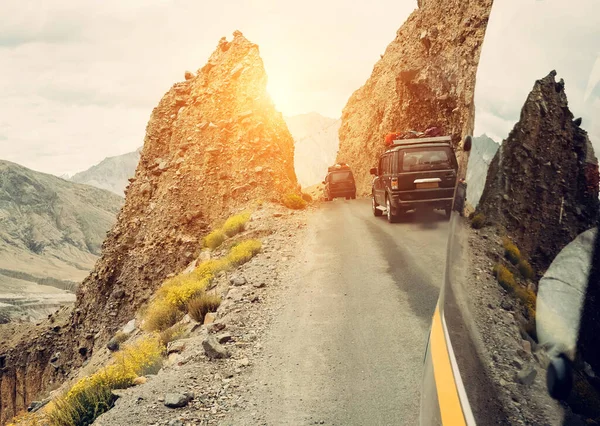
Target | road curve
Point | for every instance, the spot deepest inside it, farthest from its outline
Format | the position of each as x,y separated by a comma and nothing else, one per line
348,347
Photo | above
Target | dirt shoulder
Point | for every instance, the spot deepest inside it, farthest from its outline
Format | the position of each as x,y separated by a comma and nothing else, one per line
250,295
511,357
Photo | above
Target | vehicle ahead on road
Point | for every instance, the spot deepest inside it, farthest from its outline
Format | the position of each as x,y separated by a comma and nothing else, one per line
339,182
414,174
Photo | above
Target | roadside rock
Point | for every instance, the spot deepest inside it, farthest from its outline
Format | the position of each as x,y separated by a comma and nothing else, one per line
238,280
542,185
527,375
213,349
177,400
422,80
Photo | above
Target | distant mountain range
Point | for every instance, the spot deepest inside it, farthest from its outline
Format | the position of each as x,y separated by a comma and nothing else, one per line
482,153
316,145
51,233
111,174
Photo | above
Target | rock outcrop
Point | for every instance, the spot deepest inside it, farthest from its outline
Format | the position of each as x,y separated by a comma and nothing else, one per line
425,78
213,144
542,185
112,173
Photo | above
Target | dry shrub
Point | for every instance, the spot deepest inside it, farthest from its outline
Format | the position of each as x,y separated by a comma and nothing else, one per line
236,224
202,304
511,251
526,270
478,221
214,239
161,315
505,278
210,268
178,290
172,333
507,281
294,201
244,251
92,396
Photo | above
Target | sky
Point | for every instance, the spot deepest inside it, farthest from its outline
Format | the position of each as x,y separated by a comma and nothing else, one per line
525,40
79,78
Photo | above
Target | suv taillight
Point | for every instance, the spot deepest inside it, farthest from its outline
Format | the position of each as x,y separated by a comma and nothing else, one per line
395,183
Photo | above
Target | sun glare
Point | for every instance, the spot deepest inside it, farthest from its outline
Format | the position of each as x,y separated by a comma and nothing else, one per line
282,95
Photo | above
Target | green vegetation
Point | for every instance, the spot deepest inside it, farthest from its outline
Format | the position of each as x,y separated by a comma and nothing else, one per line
507,281
505,278
478,221
511,251
526,270
92,396
161,315
244,251
294,201
214,239
174,298
236,224
202,304
178,290
172,333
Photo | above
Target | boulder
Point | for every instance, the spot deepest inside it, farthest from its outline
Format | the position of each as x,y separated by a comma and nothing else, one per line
213,349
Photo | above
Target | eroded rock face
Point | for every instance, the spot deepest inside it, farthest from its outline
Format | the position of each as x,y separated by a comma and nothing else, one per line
213,144
425,78
542,185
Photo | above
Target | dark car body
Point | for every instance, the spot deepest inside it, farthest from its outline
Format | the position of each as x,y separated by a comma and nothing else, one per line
415,173
339,182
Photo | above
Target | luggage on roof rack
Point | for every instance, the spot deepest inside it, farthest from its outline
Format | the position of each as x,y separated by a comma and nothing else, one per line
431,132
338,166
416,141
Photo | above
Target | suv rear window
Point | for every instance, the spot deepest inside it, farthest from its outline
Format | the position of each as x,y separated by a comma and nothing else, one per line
341,176
417,159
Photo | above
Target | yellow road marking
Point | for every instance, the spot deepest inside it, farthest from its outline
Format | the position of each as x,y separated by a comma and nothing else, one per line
450,408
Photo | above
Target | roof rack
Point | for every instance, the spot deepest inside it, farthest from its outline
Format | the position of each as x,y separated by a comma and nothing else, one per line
398,142
338,166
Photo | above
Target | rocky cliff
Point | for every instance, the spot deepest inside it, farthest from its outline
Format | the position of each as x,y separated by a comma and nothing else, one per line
214,143
316,145
112,173
482,153
51,232
542,185
426,77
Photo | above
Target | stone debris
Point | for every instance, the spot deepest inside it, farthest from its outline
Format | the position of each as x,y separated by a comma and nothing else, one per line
177,400
213,349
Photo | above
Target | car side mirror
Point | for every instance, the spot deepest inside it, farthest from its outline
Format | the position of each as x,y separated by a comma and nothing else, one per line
468,144
374,171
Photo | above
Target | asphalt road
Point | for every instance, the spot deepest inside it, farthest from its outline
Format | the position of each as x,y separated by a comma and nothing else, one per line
348,347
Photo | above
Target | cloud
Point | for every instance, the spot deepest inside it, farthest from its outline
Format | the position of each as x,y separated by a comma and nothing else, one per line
79,79
524,41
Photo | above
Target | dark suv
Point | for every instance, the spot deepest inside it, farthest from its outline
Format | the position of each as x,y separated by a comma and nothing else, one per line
339,182
415,173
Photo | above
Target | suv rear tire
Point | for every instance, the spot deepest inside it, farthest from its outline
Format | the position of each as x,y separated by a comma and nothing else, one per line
374,205
391,216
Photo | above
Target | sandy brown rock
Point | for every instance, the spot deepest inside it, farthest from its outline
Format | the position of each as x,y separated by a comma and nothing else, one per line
213,144
425,78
